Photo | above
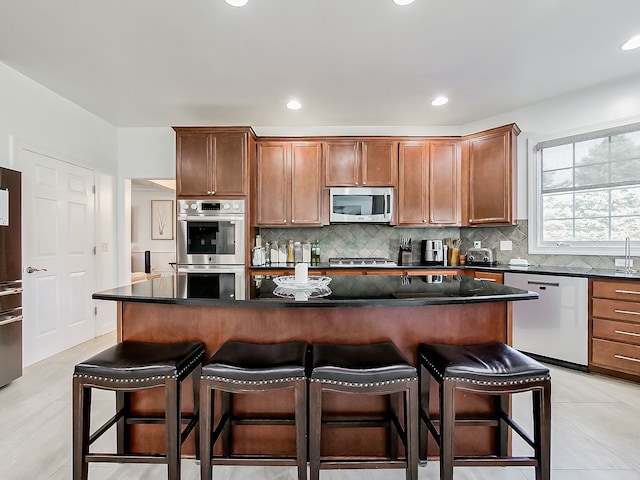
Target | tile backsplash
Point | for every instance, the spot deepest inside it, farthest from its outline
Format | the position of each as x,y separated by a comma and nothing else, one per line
371,240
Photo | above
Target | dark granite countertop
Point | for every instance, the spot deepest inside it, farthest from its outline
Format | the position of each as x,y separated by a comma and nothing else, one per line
346,291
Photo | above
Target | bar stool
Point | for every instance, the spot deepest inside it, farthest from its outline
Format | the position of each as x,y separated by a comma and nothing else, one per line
492,369
124,368
241,367
375,369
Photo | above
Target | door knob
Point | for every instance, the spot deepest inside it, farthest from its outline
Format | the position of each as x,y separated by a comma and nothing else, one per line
31,269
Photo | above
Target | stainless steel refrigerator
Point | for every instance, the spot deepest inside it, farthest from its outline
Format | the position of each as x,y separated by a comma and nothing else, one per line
10,276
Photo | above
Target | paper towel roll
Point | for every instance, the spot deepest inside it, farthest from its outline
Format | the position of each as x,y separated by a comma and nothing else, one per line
302,273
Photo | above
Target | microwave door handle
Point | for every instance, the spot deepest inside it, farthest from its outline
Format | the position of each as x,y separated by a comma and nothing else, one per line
386,204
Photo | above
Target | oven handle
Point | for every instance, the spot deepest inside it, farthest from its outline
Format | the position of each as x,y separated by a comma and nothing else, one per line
215,269
213,218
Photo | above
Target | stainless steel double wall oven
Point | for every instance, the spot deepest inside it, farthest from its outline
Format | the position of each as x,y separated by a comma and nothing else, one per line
211,248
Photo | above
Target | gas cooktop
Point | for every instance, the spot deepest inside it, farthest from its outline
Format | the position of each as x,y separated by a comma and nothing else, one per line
361,262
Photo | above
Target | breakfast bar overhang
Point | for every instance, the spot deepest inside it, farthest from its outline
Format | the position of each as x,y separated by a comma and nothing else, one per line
406,310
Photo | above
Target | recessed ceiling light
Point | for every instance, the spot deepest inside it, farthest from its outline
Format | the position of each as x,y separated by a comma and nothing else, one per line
237,3
436,102
294,105
633,42
402,3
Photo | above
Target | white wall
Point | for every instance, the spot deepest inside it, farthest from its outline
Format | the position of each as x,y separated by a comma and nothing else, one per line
33,115
145,153
586,110
162,251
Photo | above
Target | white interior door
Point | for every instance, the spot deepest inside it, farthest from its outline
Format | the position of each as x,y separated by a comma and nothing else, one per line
58,255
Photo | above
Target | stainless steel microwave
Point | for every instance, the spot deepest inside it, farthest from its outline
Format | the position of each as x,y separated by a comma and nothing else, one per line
361,205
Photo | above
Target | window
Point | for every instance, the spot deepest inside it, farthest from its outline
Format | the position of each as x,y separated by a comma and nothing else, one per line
588,193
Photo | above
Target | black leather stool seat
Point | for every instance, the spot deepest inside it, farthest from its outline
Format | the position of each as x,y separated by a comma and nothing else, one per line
492,369
495,363
374,369
363,365
247,368
125,368
139,361
242,362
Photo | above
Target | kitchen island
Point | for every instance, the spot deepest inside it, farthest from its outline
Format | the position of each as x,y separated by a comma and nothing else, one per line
406,310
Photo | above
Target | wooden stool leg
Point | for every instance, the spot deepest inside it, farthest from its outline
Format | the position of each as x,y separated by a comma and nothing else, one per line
411,421
502,431
195,378
542,431
226,410
447,427
424,388
81,428
301,427
206,430
315,429
173,419
122,427
393,409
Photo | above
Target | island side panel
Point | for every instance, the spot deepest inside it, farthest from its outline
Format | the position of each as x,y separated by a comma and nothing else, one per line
405,326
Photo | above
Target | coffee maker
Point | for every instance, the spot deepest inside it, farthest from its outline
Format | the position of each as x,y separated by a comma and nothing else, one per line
432,252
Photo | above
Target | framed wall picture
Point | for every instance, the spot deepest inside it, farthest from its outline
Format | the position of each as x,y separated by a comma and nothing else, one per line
162,219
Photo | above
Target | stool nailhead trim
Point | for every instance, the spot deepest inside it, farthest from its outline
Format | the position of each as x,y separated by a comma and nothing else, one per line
364,385
251,382
484,382
196,359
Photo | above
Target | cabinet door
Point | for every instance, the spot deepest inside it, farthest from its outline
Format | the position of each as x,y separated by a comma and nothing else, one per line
413,164
444,184
193,164
306,178
229,164
342,163
379,163
491,177
273,193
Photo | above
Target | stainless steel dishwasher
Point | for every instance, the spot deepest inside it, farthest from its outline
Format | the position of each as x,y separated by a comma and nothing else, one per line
556,326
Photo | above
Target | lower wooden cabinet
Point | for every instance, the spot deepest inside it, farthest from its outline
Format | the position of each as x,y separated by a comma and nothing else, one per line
497,277
615,326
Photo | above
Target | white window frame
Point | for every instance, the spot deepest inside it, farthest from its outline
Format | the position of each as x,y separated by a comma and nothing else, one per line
536,244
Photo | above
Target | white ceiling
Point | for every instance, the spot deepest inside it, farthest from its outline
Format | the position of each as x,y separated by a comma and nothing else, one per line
146,63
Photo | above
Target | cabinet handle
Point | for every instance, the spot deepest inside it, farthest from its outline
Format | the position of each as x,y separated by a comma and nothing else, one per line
9,320
627,291
356,183
627,312
11,291
631,334
364,183
470,221
622,357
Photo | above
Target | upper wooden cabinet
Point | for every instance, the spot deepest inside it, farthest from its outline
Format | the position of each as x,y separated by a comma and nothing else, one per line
489,162
429,183
288,184
212,161
361,163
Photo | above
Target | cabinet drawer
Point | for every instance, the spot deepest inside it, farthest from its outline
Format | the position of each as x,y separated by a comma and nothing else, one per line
618,331
629,291
616,310
617,356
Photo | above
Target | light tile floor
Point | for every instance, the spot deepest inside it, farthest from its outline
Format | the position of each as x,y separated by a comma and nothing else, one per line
595,431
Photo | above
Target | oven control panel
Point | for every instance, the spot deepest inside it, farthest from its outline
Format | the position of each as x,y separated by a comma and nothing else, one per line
210,207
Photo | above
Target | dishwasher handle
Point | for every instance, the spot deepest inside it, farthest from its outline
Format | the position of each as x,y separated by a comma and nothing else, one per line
543,285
